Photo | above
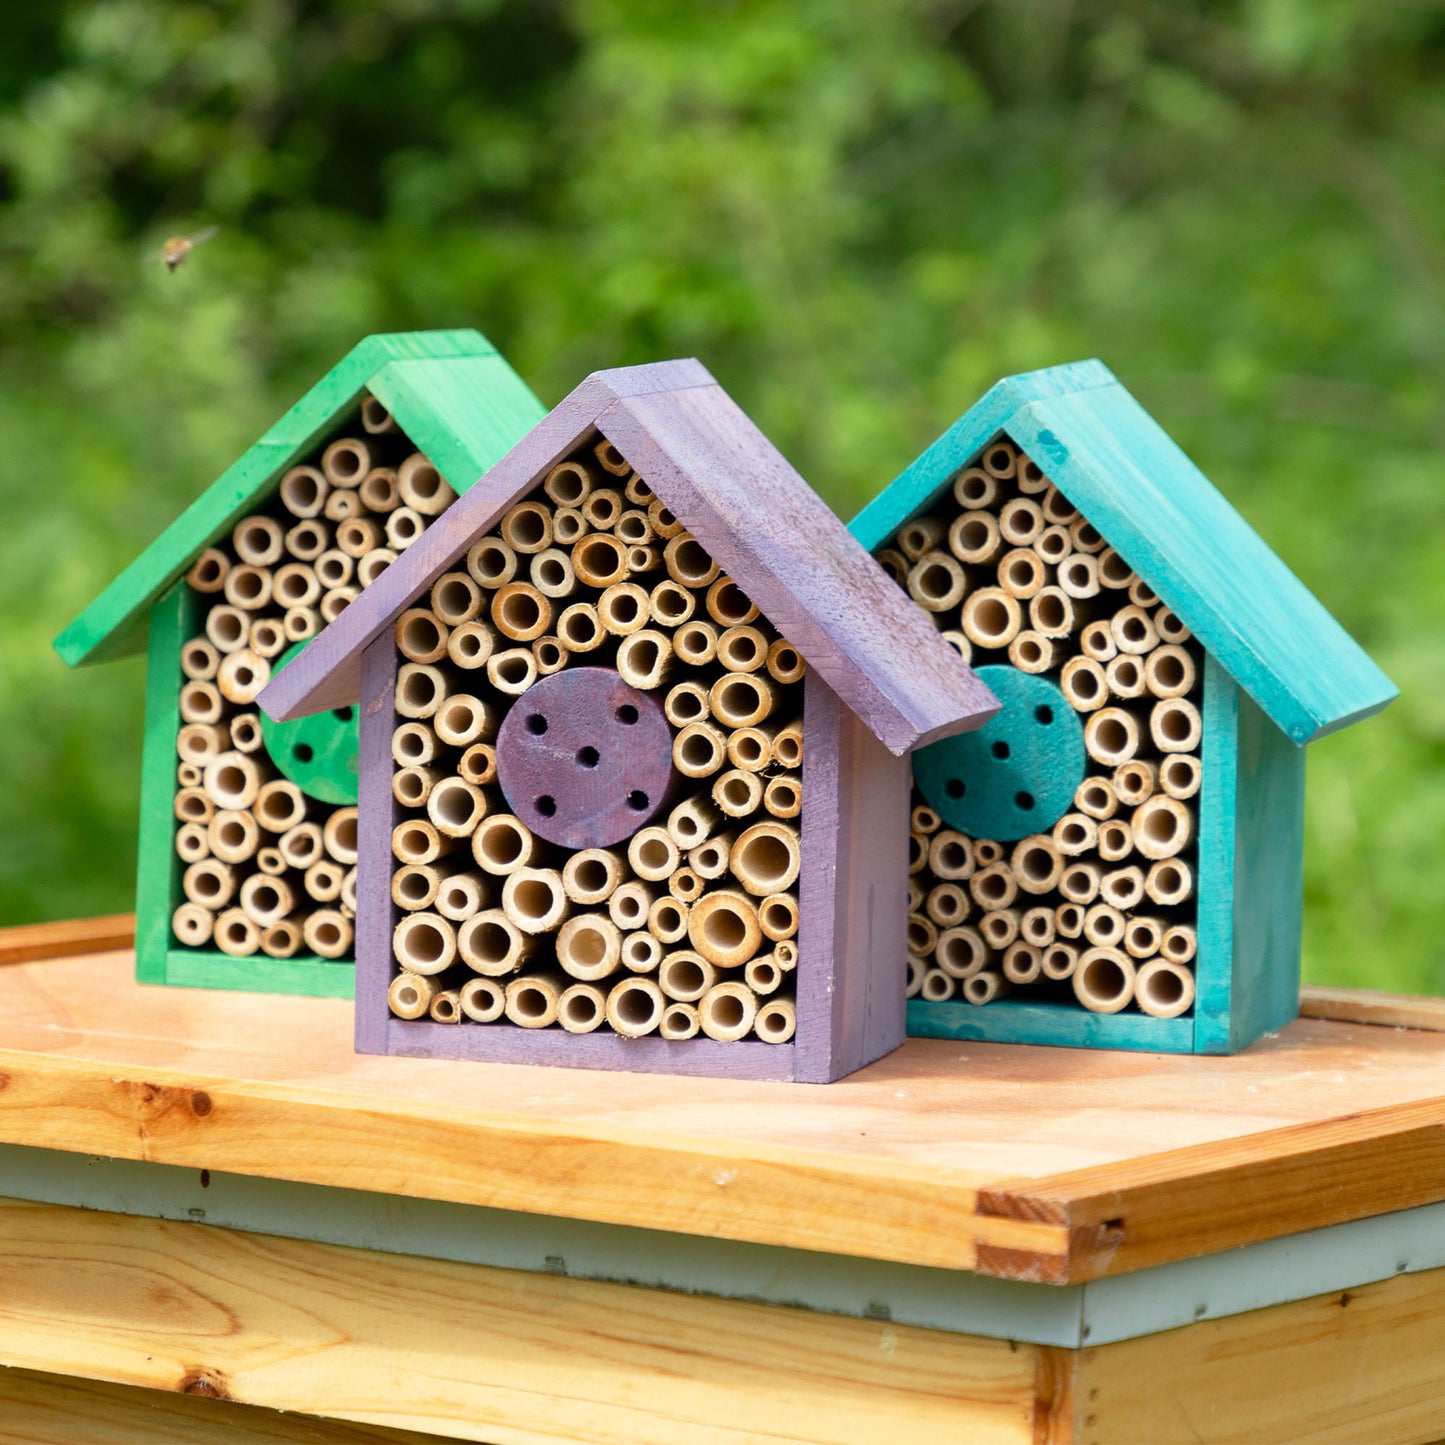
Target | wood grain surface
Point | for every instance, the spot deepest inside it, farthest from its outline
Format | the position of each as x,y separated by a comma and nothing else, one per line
1321,1123
1371,1006
73,937
478,1353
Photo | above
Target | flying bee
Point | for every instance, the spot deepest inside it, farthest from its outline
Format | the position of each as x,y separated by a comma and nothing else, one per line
178,248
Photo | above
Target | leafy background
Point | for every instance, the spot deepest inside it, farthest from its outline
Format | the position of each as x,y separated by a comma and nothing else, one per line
859,215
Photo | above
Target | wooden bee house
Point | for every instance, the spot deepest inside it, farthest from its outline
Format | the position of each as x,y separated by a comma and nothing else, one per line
1115,859
635,719
248,830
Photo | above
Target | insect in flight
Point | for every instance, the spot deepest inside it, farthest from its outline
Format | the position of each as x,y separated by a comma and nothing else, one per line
177,248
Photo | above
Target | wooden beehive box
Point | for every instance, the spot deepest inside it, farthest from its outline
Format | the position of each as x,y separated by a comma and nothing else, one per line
635,720
1115,859
248,830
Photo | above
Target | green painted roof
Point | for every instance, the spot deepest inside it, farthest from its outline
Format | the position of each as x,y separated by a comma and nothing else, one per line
1119,467
451,392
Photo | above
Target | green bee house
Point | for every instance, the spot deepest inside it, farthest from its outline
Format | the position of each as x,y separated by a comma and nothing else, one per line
247,853
1115,859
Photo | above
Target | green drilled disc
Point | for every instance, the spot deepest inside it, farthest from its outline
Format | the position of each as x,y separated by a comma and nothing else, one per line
317,753
1018,773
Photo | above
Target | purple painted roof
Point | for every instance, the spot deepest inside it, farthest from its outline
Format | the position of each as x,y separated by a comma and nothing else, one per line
759,520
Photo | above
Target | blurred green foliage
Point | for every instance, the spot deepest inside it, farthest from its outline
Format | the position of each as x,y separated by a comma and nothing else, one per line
859,215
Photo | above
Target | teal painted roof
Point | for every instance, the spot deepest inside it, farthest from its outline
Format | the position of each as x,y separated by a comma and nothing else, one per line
451,392
1117,465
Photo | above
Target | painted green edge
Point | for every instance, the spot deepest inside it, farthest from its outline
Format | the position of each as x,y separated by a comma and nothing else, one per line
1215,863
112,626
1008,1022
310,977
158,870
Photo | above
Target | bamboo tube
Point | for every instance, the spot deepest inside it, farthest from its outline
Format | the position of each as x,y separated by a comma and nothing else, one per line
1036,926
1104,925
1097,642
1069,920
462,896
1124,676
1164,989
328,933
984,987
207,573
446,1007
358,536
302,845
1111,736
1134,782
686,704
695,643
1169,882
412,743
193,842
348,892
776,1021
334,569
1057,961
1123,887
210,883
994,886
1084,684
666,917
403,526
199,660
1170,628
1085,537
728,605
653,854
643,559
478,764
455,598
637,491
1031,652
235,934
1116,841
974,489
741,700
265,899
534,899
346,461
951,855
580,629
281,939
630,903
925,820
335,602
1057,508
1001,459
242,675
767,858
470,645
232,780
679,1021
1169,672
248,587
342,506
233,835
603,508
1174,725
491,562
519,611
589,946
622,609
973,537
420,690
783,797
552,573
1180,775
423,488
763,975
1051,613
1053,545
738,793
1133,631
295,585
592,875
778,916
532,1001
1078,576
257,541
581,1008
961,952
687,561
502,844
670,605
1141,937
986,852
1095,797
491,944
463,719
948,905
742,649
644,659
1020,522
692,821
189,775
1179,943
1114,572
279,806
1104,980
307,540
1141,594
991,618
228,629
1162,826
919,537
635,1007
917,858
323,880
685,975
1022,963
1036,864
936,986
200,742
600,561
415,886
378,491
409,995
482,1000
420,636
1075,833
723,927
999,927
418,841
641,952
1079,882
937,582
726,1012
750,749
568,484
922,935
301,623
785,954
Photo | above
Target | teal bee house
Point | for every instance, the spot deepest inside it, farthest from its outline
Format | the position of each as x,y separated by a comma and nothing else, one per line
1115,859
246,866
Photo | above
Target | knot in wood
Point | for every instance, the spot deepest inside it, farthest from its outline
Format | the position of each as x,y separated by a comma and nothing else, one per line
585,759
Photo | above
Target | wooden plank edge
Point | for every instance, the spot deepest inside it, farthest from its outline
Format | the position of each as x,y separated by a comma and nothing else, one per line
71,938
1202,1199
1373,1006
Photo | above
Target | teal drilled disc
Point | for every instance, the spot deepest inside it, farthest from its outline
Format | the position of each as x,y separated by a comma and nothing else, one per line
1018,773
317,753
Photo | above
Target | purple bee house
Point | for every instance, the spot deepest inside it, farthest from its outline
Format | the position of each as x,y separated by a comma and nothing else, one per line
636,714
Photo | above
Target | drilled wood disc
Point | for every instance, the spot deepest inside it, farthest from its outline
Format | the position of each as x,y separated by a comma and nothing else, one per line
584,759
317,753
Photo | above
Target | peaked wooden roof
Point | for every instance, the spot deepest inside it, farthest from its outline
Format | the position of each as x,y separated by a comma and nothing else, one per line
451,392
1115,463
759,520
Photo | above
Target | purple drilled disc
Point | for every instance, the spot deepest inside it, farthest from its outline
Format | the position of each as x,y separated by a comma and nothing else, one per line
585,759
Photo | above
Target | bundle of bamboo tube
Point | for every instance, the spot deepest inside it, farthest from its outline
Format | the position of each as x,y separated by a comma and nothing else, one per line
267,868
689,927
1100,910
